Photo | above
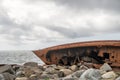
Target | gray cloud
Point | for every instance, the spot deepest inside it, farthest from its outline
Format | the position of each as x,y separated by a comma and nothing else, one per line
57,21
91,4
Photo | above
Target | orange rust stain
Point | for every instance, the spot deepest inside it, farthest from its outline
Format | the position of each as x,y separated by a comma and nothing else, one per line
93,51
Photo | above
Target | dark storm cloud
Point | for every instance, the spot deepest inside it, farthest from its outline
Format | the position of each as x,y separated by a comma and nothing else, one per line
113,5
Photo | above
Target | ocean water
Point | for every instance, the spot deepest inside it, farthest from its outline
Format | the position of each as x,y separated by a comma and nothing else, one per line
18,57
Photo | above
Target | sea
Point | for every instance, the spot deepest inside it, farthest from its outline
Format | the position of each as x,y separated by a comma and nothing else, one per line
18,57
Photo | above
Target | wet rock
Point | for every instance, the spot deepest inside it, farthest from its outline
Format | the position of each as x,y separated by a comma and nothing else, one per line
21,78
109,75
118,78
74,67
7,68
91,74
66,71
31,64
105,67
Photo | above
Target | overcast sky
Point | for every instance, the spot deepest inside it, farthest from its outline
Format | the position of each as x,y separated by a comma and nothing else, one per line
35,24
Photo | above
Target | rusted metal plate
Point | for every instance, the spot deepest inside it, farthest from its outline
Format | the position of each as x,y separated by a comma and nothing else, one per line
97,52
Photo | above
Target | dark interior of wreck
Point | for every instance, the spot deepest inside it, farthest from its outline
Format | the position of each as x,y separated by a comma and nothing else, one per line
70,56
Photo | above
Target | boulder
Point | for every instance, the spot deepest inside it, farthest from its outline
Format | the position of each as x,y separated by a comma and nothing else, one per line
20,74
78,73
2,77
70,78
109,75
41,68
44,75
7,68
74,76
21,78
118,78
50,70
7,76
28,71
61,74
60,67
36,70
105,67
66,71
16,67
90,74
31,64
34,77
74,67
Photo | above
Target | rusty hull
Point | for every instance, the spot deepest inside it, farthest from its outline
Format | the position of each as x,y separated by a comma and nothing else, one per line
97,52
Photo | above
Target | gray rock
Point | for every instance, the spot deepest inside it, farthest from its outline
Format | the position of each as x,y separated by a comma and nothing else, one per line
28,71
34,77
118,78
74,67
90,74
2,77
66,71
8,76
16,67
61,74
50,70
60,67
31,64
83,67
74,76
41,68
87,59
44,75
21,78
20,74
109,75
78,73
71,78
105,67
7,68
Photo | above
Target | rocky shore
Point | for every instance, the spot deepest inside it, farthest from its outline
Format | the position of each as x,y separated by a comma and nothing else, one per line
33,71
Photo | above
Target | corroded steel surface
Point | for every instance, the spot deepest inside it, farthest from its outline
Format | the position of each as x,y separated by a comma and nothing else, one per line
96,52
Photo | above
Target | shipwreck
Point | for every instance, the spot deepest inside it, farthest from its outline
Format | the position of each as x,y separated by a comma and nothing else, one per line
96,52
